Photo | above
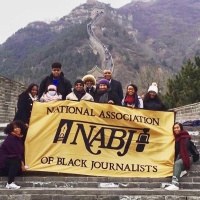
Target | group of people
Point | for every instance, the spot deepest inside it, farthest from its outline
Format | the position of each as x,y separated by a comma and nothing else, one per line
107,90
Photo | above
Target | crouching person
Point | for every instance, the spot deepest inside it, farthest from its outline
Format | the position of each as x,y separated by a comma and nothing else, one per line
12,153
183,155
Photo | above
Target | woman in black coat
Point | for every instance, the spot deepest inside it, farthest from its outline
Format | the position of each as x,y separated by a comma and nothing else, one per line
105,95
152,101
25,103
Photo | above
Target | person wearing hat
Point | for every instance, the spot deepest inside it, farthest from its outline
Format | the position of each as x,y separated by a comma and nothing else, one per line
131,98
115,85
152,100
56,78
51,94
104,94
79,93
90,84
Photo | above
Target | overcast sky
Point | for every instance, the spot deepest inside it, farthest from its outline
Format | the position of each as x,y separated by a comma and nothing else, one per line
16,14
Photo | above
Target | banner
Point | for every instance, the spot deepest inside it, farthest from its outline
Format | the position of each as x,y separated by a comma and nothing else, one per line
99,139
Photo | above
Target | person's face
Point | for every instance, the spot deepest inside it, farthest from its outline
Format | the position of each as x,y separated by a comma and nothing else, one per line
56,72
152,94
177,129
107,74
88,83
34,91
16,130
103,87
130,90
79,87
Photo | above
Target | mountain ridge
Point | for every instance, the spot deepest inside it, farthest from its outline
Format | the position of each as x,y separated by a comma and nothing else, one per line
138,35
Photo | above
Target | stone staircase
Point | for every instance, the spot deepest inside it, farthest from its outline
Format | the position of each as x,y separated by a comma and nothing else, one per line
58,186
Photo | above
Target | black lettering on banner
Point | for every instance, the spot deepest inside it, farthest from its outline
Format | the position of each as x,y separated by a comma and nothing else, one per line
96,133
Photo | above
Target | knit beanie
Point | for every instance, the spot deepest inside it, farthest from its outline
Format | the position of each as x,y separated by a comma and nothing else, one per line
79,81
153,88
53,87
56,65
89,77
104,81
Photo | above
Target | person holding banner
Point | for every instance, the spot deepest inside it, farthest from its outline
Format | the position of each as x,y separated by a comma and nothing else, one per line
152,100
131,98
79,93
25,103
12,153
183,155
105,94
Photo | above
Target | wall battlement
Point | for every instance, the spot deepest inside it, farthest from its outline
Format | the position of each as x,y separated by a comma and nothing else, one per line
9,92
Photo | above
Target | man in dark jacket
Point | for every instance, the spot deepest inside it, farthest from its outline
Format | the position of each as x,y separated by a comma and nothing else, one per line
115,85
56,78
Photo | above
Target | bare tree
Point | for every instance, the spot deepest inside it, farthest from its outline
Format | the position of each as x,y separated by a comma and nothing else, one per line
147,75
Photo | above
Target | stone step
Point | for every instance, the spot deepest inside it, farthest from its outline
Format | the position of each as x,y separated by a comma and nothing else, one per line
98,194
98,182
60,184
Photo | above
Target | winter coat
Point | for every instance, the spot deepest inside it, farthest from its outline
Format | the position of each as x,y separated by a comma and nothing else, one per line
73,97
111,96
46,97
140,102
24,108
12,147
116,87
91,91
64,86
153,104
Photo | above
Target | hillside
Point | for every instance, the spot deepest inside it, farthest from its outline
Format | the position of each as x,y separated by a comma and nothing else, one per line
158,34
170,29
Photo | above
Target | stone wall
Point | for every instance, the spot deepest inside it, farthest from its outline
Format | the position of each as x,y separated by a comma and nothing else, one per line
9,91
188,112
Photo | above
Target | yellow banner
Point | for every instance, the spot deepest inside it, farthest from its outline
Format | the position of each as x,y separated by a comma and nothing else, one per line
99,139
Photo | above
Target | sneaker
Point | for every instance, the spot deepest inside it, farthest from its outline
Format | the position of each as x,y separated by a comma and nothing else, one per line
183,173
172,187
12,186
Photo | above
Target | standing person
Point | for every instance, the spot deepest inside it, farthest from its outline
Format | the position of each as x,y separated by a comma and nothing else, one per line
183,155
105,94
79,93
131,98
25,103
115,85
152,100
56,78
12,153
51,94
90,84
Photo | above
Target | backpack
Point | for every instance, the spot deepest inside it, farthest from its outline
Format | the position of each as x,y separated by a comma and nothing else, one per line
194,151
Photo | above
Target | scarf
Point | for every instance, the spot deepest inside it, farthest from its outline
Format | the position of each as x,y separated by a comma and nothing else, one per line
132,100
18,135
35,98
180,147
79,94
129,99
103,95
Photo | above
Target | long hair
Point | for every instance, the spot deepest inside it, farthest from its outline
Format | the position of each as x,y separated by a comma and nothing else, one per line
30,87
136,100
180,125
10,127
